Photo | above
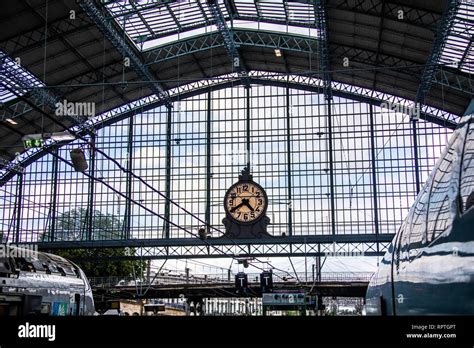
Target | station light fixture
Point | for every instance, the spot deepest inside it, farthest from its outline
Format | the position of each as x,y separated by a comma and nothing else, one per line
11,121
37,140
62,136
78,160
277,52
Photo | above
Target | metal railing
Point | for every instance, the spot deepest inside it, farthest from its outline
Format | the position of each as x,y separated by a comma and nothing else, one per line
209,279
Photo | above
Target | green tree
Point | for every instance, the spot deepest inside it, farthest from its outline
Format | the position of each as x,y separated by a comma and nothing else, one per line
73,225
100,262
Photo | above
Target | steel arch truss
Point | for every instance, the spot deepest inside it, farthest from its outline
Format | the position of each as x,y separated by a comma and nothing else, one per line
310,83
241,38
308,45
457,82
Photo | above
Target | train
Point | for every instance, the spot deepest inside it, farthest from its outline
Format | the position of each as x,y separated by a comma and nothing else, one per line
34,283
428,268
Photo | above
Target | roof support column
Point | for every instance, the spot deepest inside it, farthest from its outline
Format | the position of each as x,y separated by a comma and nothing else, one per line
90,216
128,203
415,156
331,169
19,194
54,193
324,62
166,225
247,89
288,152
374,175
208,162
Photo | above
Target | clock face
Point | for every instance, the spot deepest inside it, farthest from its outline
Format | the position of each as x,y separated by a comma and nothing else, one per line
245,202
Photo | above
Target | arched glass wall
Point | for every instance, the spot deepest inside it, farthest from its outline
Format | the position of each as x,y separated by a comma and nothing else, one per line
197,151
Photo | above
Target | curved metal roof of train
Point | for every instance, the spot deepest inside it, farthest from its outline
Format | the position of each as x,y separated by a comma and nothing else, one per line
416,50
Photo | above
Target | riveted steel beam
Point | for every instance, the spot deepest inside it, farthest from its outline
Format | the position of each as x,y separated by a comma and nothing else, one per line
439,42
227,36
124,47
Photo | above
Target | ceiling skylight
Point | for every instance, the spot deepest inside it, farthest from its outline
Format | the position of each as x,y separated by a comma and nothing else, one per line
459,51
11,68
154,23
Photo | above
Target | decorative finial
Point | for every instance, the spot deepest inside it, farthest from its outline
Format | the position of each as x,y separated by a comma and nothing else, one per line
246,176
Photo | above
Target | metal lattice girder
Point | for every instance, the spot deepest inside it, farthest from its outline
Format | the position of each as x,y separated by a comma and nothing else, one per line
17,45
29,156
467,52
21,83
119,9
11,166
373,58
368,57
203,17
271,250
108,29
310,245
183,47
324,61
18,108
411,14
114,69
276,40
35,38
458,82
241,37
227,36
441,35
428,113
14,109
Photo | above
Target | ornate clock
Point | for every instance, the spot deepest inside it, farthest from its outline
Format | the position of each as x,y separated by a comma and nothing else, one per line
245,204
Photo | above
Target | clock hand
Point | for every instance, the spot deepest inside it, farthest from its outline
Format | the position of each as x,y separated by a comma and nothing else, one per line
237,207
249,206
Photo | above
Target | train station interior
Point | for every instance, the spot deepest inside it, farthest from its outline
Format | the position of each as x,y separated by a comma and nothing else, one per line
235,157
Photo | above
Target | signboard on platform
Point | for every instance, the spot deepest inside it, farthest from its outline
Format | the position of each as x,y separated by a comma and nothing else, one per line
283,298
266,281
241,282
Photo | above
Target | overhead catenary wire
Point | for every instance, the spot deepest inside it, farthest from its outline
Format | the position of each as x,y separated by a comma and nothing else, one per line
152,212
96,149
131,173
123,169
135,176
294,270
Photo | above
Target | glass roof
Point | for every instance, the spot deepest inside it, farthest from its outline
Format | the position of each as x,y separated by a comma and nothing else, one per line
152,23
13,68
459,51
237,24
